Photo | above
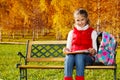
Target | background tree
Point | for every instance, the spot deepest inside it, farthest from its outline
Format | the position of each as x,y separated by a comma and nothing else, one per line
36,18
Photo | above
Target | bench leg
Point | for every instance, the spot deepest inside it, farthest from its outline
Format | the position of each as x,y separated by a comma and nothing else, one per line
23,74
114,74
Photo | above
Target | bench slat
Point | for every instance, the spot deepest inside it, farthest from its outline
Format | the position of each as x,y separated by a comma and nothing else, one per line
100,67
44,59
62,67
48,42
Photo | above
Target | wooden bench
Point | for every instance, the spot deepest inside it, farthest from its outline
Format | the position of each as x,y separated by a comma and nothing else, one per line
48,51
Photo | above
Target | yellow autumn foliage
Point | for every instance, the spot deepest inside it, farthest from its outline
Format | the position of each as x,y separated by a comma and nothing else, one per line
44,16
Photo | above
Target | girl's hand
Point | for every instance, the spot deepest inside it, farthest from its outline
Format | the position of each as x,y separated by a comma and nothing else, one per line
65,50
92,51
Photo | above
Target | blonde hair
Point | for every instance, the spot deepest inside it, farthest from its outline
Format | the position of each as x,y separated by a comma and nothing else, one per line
81,11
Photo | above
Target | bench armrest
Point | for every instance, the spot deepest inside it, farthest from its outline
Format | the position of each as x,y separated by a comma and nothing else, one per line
21,57
115,56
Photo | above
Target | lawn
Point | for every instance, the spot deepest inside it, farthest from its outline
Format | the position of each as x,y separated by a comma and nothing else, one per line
8,70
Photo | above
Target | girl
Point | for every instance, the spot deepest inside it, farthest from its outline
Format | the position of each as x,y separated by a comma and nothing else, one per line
82,37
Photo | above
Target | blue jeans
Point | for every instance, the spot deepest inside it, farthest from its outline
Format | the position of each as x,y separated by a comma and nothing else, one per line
78,60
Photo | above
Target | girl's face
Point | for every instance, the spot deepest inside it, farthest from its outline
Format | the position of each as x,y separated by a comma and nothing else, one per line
80,20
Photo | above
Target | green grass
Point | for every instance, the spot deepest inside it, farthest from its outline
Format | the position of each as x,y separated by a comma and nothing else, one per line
9,59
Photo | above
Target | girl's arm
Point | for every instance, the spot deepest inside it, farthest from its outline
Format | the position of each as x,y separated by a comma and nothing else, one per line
94,44
69,42
94,37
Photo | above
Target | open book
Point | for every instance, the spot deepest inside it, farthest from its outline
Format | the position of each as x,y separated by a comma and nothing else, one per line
77,52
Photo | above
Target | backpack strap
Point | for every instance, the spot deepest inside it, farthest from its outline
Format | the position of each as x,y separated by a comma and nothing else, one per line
98,40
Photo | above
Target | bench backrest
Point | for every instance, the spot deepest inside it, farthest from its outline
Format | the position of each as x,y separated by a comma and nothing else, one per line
38,51
45,51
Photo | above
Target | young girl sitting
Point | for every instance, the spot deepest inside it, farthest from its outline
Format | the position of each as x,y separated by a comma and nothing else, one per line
81,38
